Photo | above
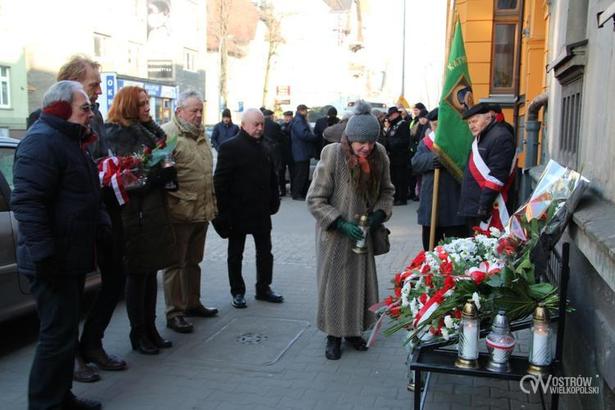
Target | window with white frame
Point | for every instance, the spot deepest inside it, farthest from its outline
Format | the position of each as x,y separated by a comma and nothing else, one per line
101,45
5,87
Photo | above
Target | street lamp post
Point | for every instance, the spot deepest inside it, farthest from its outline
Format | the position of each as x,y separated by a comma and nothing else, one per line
403,52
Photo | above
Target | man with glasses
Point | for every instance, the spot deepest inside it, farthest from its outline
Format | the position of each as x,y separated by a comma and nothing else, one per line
90,350
56,201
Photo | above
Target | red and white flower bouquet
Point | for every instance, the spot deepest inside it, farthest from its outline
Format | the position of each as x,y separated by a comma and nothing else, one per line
496,269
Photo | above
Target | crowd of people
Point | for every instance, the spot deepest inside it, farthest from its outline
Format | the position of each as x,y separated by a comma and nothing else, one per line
73,216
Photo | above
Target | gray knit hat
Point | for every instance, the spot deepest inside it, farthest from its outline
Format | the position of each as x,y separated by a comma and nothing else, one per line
362,126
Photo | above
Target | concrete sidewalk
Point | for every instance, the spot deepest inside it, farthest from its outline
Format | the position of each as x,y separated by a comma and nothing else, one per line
268,356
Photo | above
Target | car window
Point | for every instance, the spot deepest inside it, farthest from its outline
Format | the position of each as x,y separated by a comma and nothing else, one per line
6,164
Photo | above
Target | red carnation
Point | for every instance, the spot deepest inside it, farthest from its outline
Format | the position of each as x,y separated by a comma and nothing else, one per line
449,282
388,300
457,313
446,268
506,246
477,276
425,269
417,261
397,279
398,292
394,311
428,281
423,298
147,150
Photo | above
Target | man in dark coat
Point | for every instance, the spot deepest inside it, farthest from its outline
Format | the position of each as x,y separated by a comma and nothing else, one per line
273,139
87,72
287,154
302,144
56,201
398,146
321,125
247,192
489,165
224,130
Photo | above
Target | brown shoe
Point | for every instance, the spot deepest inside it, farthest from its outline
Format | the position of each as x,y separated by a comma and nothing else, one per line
102,360
85,373
180,325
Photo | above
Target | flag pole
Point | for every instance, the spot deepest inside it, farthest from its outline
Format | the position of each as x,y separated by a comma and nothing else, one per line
434,208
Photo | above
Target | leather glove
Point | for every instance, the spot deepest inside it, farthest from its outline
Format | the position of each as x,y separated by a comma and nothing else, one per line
436,163
376,218
350,229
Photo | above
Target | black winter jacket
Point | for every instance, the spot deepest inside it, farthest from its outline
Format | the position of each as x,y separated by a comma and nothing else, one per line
497,148
143,223
398,142
246,187
56,198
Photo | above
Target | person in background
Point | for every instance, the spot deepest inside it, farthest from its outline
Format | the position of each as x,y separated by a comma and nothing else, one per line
247,190
398,145
334,132
142,224
320,126
417,132
274,140
425,161
191,208
302,144
287,155
56,202
224,130
351,178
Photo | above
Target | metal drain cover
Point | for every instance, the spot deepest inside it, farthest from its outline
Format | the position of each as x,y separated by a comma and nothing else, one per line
251,338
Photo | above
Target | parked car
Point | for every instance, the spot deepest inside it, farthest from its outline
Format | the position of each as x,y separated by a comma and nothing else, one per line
15,298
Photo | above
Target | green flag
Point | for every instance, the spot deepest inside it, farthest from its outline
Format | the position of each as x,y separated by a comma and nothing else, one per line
453,138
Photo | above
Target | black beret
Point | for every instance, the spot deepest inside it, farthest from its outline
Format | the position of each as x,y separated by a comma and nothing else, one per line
495,107
267,112
480,108
288,113
420,106
433,115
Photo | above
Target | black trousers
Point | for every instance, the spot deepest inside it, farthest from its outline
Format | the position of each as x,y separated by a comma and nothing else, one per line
141,292
112,278
301,179
58,305
399,178
264,262
457,231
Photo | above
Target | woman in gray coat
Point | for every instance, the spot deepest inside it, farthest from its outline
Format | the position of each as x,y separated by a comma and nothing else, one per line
424,162
351,179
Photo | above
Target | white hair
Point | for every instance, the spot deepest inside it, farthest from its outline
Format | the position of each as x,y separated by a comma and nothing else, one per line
249,113
62,91
186,95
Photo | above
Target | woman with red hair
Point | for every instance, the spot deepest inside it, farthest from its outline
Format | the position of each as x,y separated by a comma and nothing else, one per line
142,225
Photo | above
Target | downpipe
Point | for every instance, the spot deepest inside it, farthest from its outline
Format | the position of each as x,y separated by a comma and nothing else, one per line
532,128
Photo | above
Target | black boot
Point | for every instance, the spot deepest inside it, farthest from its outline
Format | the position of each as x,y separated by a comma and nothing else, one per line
334,348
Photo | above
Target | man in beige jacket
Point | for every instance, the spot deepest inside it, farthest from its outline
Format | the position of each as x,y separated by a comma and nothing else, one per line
191,208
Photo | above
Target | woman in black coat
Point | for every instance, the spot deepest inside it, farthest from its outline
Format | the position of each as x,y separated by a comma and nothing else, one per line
143,225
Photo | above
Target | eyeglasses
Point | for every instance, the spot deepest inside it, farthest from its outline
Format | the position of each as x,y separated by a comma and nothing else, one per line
86,107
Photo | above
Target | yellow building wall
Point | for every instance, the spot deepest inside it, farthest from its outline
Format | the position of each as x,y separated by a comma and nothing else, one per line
476,17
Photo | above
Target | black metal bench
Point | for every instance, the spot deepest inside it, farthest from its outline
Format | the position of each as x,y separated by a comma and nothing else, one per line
432,358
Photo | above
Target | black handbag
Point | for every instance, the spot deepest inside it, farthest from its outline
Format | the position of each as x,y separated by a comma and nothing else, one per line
380,240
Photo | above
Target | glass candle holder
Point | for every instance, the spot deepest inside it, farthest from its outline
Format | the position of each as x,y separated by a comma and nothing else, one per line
541,354
469,332
500,343
360,246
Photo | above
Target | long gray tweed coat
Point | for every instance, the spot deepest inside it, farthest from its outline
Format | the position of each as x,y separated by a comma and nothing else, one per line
347,282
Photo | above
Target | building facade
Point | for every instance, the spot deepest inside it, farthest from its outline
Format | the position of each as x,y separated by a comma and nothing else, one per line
157,44
551,64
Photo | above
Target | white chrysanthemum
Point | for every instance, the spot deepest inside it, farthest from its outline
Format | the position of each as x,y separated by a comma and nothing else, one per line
448,322
405,292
